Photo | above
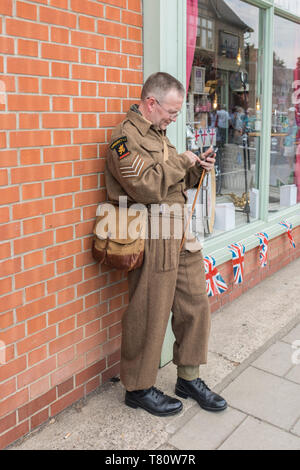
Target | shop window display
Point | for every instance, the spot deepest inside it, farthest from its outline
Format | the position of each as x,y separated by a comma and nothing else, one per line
285,133
223,107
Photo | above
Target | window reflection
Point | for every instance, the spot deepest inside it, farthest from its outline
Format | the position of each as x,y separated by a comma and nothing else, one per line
292,6
285,151
223,106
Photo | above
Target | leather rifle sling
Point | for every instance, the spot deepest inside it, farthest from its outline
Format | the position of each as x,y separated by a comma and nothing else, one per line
193,208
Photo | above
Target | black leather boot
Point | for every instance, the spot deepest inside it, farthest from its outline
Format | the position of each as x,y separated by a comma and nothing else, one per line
154,401
199,391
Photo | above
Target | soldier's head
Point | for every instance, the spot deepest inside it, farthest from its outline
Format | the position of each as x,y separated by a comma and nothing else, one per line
161,99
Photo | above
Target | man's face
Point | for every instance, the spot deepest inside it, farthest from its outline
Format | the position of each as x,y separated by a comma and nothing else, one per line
166,111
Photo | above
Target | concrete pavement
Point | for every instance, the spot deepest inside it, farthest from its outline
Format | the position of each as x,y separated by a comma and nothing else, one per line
264,411
253,362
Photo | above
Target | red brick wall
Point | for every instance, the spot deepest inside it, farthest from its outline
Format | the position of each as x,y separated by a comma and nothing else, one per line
69,70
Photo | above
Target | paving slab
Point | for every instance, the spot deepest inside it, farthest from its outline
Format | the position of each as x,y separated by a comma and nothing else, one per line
265,396
254,434
296,429
277,359
206,430
294,374
293,335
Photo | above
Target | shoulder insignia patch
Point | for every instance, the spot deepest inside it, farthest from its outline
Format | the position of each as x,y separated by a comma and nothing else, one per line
120,146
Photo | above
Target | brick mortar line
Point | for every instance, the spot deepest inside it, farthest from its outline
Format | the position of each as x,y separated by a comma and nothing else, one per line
55,356
23,289
84,399
93,2
63,95
58,367
69,44
85,309
76,13
70,29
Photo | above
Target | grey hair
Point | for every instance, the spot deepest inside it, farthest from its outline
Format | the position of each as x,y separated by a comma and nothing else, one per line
159,84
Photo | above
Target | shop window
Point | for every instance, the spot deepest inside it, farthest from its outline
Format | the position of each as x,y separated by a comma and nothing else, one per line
285,134
223,107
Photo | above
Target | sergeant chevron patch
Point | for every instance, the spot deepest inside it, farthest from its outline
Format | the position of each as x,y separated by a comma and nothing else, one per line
134,169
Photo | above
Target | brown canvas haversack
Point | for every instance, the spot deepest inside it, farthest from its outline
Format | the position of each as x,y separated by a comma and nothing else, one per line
119,236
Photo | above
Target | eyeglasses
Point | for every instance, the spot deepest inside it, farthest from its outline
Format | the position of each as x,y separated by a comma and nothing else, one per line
172,115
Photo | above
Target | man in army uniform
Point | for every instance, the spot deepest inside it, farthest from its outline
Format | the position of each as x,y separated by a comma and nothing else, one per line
143,165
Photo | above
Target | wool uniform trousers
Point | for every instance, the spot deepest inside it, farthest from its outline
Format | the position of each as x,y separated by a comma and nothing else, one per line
168,281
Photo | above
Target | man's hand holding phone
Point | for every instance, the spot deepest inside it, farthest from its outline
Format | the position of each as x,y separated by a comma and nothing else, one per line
208,159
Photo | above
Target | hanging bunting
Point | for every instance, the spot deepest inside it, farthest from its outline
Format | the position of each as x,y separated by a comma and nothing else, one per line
263,254
204,135
215,284
197,135
238,259
288,228
212,132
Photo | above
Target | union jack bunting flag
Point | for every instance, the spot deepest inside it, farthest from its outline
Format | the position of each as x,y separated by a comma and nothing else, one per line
263,254
288,228
238,258
215,284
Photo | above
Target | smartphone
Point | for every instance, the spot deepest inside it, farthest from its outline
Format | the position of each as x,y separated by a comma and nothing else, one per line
212,153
